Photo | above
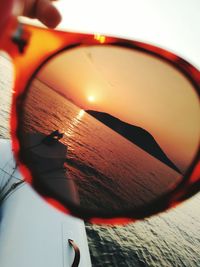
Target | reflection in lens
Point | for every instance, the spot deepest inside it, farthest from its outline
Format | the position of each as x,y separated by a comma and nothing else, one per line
108,127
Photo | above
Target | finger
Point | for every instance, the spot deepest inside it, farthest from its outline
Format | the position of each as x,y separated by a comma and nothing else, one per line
44,11
47,13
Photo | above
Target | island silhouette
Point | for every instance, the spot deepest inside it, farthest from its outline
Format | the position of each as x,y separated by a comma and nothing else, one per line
136,135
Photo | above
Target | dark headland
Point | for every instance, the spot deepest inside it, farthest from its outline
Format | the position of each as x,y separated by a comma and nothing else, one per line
136,135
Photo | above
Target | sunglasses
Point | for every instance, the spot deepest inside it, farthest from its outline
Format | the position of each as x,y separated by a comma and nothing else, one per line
103,128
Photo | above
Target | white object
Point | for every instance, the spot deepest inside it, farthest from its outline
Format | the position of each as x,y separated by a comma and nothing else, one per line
31,232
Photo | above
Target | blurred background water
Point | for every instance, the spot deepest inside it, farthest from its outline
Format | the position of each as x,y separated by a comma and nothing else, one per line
171,239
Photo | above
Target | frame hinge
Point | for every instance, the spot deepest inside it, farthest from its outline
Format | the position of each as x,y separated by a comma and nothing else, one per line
20,38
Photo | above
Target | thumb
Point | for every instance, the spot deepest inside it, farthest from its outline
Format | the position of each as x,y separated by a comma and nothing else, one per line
44,11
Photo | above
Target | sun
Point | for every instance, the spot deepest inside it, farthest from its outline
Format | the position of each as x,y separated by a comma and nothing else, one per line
91,98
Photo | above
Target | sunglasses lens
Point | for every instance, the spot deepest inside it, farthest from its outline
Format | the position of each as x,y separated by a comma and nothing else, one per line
108,128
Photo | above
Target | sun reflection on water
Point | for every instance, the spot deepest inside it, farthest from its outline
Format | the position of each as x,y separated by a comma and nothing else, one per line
74,123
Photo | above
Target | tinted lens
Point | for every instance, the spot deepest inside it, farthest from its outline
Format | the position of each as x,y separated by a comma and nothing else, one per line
109,128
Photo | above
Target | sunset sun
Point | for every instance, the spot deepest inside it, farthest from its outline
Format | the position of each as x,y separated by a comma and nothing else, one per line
91,98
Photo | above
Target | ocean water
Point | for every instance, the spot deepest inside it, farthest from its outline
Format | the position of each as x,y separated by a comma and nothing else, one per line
169,239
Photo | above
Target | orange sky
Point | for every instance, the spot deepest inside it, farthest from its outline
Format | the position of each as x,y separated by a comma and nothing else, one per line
136,88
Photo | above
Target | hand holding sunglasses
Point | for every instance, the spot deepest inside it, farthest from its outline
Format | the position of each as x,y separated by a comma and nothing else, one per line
103,128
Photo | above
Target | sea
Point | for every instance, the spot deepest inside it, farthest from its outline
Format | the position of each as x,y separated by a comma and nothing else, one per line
109,171
170,239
